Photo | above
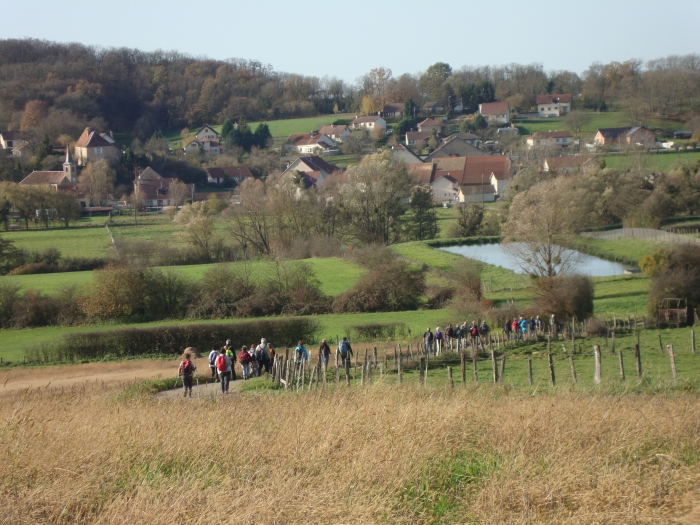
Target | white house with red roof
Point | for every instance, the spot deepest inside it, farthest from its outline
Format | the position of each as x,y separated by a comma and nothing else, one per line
445,189
154,191
368,122
220,175
207,133
495,112
211,147
337,133
313,142
550,139
314,169
430,124
553,105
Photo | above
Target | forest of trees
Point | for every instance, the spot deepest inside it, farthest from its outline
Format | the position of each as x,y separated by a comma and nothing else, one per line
56,89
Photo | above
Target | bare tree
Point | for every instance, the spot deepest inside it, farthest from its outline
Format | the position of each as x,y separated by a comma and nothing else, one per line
543,221
248,222
179,192
97,181
576,120
196,225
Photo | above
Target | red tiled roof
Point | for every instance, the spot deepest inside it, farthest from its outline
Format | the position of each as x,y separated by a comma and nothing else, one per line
91,138
494,108
316,163
304,139
233,172
499,165
422,173
360,120
430,122
157,189
553,99
45,177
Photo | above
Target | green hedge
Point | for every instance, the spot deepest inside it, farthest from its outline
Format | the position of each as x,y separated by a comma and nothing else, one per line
464,241
172,340
368,332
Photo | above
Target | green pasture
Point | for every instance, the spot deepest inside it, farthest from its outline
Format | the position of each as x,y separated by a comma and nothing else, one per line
665,161
335,275
72,242
14,342
630,251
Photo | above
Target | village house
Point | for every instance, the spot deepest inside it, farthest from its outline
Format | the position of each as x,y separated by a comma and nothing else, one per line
337,133
495,112
550,139
440,106
312,169
23,150
92,146
313,142
553,105
570,164
10,139
430,124
211,147
207,133
154,191
393,110
401,153
454,146
368,123
421,137
445,189
223,175
620,136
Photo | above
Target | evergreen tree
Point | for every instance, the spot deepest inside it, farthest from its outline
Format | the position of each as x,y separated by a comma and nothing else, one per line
262,136
226,129
45,148
422,220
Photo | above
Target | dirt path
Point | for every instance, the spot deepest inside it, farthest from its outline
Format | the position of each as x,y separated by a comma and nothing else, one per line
201,390
109,374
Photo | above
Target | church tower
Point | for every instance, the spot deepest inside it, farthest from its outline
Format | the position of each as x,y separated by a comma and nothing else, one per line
69,167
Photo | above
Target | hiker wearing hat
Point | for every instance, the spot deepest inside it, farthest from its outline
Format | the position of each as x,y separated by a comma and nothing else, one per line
186,372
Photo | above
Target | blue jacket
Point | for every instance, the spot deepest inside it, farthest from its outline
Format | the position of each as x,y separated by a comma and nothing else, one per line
304,354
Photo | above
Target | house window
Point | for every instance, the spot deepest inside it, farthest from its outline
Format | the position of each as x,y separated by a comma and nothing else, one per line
98,150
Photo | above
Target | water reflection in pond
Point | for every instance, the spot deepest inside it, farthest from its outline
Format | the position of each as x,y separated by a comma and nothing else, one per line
495,255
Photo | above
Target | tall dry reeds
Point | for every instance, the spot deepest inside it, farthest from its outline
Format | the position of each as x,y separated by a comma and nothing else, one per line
372,455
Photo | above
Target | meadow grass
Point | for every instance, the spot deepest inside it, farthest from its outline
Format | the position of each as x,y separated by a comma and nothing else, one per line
335,275
375,454
664,162
629,251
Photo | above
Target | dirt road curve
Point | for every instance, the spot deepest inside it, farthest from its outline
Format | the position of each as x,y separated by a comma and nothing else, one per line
108,374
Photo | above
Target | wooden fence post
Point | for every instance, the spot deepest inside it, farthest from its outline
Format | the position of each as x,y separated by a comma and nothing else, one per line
503,369
672,357
529,371
573,369
449,377
476,372
362,376
463,359
622,366
638,361
551,369
396,359
421,376
494,366
374,351
325,373
661,346
425,376
692,341
612,350
399,369
347,370
597,374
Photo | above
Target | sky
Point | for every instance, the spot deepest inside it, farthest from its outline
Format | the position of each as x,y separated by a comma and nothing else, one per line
347,39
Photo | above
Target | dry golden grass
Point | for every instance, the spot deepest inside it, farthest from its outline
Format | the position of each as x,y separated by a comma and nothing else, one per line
377,455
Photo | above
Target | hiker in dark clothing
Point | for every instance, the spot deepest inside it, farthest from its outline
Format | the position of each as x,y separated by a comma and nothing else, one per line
186,372
324,352
345,350
428,340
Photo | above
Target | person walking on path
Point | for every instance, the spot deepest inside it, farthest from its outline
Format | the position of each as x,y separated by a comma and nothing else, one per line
264,358
345,350
186,372
301,353
231,353
428,341
245,358
223,365
439,338
324,352
212,363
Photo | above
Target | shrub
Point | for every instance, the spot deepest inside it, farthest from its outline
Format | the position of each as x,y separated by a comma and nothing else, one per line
678,278
377,332
172,340
564,296
389,287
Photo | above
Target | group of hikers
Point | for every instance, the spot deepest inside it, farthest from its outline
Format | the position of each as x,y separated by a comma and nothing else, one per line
259,358
254,360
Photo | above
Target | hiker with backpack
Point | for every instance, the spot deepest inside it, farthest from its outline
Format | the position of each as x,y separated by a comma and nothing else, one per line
324,352
345,350
439,338
264,358
223,365
428,340
301,353
212,363
186,372
245,358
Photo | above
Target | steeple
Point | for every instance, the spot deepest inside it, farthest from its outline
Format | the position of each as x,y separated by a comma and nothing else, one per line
69,167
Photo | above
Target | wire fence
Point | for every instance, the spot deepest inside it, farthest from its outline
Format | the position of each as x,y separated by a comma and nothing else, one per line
647,234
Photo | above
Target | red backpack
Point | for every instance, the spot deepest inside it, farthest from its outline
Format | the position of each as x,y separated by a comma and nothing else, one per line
186,368
221,363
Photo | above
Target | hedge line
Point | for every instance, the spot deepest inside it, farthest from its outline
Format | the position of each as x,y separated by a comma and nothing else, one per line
171,340
464,241
361,333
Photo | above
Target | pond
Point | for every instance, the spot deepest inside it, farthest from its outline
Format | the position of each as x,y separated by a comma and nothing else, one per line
495,255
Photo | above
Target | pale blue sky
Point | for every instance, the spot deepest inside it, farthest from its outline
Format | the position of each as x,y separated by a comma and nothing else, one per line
347,39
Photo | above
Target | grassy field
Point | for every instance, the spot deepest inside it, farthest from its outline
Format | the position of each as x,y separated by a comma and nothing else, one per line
609,119
379,454
336,276
631,250
654,161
